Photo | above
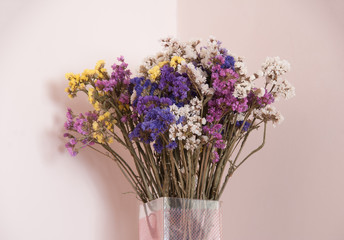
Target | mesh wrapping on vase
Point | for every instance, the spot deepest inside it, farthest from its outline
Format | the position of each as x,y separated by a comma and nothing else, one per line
180,219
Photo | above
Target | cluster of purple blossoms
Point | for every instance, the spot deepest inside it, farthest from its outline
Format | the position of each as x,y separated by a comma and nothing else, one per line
172,88
156,122
266,99
119,76
223,80
174,85
245,127
81,124
118,82
147,103
214,133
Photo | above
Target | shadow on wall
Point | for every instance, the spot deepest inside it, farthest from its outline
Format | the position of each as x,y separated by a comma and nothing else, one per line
121,209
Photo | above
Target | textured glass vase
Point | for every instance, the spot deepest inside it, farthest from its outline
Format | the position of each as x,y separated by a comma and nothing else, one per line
180,219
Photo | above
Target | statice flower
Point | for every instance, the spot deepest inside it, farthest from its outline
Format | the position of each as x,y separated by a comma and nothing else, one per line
158,145
69,122
242,89
229,62
175,47
284,90
273,68
209,51
215,157
199,77
245,127
188,124
262,101
80,125
268,113
225,100
172,145
174,84
156,121
147,103
119,77
214,133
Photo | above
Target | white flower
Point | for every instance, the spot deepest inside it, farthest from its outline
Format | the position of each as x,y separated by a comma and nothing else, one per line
283,89
242,89
269,113
240,67
191,131
211,50
273,67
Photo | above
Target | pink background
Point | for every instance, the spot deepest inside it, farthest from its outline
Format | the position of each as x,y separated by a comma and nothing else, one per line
291,190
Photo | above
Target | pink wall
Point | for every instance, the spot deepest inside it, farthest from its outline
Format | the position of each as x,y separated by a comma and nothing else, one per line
44,193
294,188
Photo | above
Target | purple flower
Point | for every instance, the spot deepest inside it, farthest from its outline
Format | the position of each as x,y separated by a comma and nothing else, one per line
156,121
216,157
172,145
158,145
80,125
229,62
261,101
147,103
69,123
173,84
215,135
245,127
70,145
119,80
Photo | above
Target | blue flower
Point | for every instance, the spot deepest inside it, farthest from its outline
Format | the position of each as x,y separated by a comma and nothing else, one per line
173,84
246,126
158,145
156,122
172,145
229,62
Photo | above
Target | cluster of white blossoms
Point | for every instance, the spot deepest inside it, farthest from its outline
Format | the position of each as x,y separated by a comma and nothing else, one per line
244,83
172,47
273,67
190,129
269,113
240,66
242,89
175,47
210,51
197,76
283,90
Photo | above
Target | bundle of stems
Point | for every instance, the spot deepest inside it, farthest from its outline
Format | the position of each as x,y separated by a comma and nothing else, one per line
179,172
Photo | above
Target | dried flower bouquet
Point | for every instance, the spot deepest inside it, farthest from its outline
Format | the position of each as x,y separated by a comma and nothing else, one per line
184,118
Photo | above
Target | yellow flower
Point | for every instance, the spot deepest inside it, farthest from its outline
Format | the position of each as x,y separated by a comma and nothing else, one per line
161,64
95,126
154,73
96,106
176,60
109,140
99,137
107,114
99,65
91,96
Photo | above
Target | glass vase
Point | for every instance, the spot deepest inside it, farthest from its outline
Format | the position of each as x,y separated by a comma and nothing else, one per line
180,219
